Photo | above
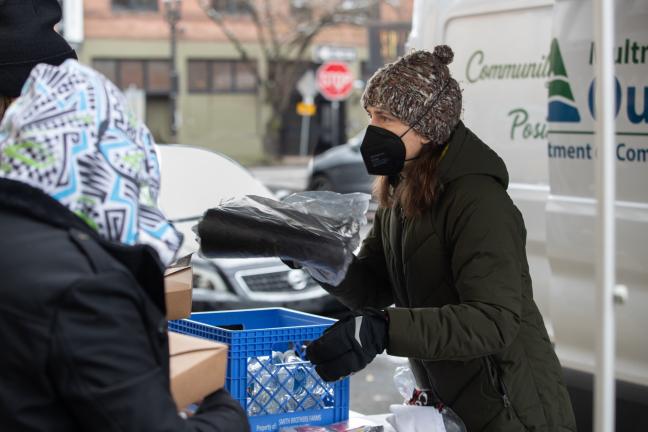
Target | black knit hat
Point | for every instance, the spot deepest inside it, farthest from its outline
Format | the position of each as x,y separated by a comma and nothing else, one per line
27,37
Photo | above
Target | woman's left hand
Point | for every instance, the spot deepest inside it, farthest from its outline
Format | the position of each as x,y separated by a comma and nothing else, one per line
350,344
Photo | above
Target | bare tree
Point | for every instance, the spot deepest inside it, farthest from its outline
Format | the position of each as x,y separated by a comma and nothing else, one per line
285,31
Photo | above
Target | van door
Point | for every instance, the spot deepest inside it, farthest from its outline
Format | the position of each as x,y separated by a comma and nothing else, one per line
571,209
503,76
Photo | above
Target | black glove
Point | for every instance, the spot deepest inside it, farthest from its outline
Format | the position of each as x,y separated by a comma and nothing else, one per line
349,345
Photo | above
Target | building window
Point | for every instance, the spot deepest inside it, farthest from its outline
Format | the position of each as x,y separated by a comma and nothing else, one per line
198,76
153,76
151,5
222,76
158,74
230,7
131,73
387,42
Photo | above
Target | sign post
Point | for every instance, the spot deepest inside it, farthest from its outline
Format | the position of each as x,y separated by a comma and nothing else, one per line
335,83
604,381
307,87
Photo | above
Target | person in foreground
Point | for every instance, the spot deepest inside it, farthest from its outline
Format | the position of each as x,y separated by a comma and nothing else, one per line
84,246
447,248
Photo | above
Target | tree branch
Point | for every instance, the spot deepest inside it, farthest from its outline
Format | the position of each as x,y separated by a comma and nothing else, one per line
276,47
217,17
284,39
254,14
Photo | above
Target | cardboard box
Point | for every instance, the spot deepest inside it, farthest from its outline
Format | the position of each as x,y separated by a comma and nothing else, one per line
197,366
178,281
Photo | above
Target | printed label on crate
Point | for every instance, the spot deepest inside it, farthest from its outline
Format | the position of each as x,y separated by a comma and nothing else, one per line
284,422
301,419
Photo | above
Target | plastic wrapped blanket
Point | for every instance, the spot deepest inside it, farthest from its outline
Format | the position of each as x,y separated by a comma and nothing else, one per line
319,230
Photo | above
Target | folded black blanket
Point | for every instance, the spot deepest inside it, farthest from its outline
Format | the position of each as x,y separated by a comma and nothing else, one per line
262,227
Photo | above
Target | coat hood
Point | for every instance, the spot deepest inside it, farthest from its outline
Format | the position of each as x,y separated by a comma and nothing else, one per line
72,135
468,155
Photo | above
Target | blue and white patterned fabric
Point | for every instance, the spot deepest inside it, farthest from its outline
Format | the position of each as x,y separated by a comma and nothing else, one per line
72,135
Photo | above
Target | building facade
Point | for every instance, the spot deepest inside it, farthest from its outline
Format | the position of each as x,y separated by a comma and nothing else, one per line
220,104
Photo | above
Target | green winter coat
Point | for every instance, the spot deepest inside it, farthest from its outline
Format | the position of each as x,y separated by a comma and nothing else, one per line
465,314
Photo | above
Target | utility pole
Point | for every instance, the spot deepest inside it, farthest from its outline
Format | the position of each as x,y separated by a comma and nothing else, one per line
173,16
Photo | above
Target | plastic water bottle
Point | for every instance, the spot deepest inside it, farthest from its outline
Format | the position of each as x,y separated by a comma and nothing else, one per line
273,407
299,380
291,356
277,357
404,382
288,402
282,388
254,366
253,407
262,384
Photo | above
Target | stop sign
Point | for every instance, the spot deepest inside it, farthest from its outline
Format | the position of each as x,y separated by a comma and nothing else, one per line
335,80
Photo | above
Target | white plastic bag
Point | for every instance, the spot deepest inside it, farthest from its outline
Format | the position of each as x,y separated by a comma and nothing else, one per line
412,418
420,412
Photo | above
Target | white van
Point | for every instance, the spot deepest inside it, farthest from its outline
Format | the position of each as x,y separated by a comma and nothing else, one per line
526,68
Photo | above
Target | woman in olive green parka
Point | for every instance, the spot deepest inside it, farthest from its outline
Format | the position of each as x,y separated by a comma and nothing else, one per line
447,249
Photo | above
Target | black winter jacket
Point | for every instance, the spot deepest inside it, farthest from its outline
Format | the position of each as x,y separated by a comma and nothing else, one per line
83,329
465,314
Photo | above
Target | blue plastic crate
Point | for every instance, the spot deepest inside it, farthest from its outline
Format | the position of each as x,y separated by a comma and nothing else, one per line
275,395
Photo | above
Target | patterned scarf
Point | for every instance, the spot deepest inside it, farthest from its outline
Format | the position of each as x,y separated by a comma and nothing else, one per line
71,135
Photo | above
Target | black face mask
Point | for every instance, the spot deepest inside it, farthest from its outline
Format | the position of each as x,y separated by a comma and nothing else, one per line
383,151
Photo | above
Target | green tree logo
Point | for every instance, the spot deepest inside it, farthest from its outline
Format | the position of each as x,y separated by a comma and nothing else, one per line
562,106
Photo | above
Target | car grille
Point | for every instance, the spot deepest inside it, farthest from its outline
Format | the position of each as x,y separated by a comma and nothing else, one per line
282,281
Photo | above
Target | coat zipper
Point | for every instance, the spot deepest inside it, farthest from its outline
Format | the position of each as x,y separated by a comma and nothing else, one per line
498,383
438,402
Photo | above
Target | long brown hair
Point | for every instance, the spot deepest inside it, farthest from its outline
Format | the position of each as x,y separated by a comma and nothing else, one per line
418,187
4,104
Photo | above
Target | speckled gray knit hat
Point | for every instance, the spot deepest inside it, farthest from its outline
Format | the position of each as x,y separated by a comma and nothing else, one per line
418,87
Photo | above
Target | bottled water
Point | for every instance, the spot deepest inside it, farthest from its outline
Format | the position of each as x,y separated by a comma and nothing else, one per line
261,384
277,357
291,356
283,382
405,382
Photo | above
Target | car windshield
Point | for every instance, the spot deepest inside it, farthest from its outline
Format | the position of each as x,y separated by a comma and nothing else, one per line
194,180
